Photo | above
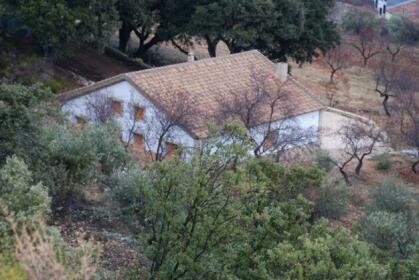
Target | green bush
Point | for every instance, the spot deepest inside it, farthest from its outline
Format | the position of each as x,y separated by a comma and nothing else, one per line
22,114
72,159
332,199
388,231
105,141
67,164
283,182
323,160
383,162
18,194
393,197
323,254
20,197
391,222
10,269
126,191
56,85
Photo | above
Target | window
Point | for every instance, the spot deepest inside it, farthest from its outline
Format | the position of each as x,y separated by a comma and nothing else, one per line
139,113
171,149
138,140
117,107
269,140
80,121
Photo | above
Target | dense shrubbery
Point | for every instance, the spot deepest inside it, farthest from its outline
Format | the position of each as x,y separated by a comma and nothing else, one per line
20,197
64,158
224,215
391,223
383,162
324,161
23,111
332,198
73,159
221,215
10,269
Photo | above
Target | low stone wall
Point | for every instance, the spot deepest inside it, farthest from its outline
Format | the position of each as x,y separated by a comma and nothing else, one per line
331,122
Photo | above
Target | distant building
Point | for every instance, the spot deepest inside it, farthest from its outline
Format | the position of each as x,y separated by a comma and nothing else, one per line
381,6
407,8
139,99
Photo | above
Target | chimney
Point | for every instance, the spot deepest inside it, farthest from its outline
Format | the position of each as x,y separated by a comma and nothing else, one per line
191,56
281,71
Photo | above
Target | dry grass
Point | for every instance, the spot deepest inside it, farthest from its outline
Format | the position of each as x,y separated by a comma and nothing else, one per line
43,258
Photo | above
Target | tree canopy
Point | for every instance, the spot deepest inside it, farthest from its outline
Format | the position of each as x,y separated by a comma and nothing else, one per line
279,28
63,25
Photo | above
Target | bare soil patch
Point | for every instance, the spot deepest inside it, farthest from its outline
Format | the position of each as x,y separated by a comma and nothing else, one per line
93,66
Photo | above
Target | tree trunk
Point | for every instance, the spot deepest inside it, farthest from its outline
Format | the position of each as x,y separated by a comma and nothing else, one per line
143,48
359,167
124,36
212,47
365,61
345,176
414,167
385,105
332,75
393,53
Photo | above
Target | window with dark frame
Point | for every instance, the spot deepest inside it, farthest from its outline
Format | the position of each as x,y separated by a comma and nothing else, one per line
117,107
171,149
138,140
81,121
139,113
270,139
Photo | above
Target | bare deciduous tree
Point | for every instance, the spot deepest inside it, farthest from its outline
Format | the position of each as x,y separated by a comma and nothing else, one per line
360,140
337,59
386,79
399,33
408,113
162,124
263,108
365,26
99,106
368,44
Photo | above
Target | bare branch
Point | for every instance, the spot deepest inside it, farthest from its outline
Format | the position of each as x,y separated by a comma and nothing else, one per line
99,106
264,107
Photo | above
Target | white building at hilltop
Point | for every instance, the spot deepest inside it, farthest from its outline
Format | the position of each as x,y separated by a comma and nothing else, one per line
381,6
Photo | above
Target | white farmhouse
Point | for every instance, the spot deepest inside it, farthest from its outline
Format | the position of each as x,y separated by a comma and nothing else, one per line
142,101
381,6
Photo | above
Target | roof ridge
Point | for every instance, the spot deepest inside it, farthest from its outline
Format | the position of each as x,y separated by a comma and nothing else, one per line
96,85
201,61
306,90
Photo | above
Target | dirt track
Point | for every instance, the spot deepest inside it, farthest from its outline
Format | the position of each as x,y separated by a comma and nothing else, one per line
92,66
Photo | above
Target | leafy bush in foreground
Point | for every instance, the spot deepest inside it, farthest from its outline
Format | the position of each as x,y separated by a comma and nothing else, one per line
225,216
393,197
391,222
332,198
72,159
20,197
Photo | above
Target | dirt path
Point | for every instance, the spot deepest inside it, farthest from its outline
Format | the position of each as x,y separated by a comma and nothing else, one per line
94,67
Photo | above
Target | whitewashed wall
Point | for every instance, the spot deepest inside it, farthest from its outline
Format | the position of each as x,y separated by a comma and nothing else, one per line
309,121
125,93
306,123
149,127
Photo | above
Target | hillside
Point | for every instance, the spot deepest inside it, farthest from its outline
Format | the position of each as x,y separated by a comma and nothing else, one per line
215,166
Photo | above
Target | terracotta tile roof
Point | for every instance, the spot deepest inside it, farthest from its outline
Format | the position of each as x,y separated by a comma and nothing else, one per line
205,81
